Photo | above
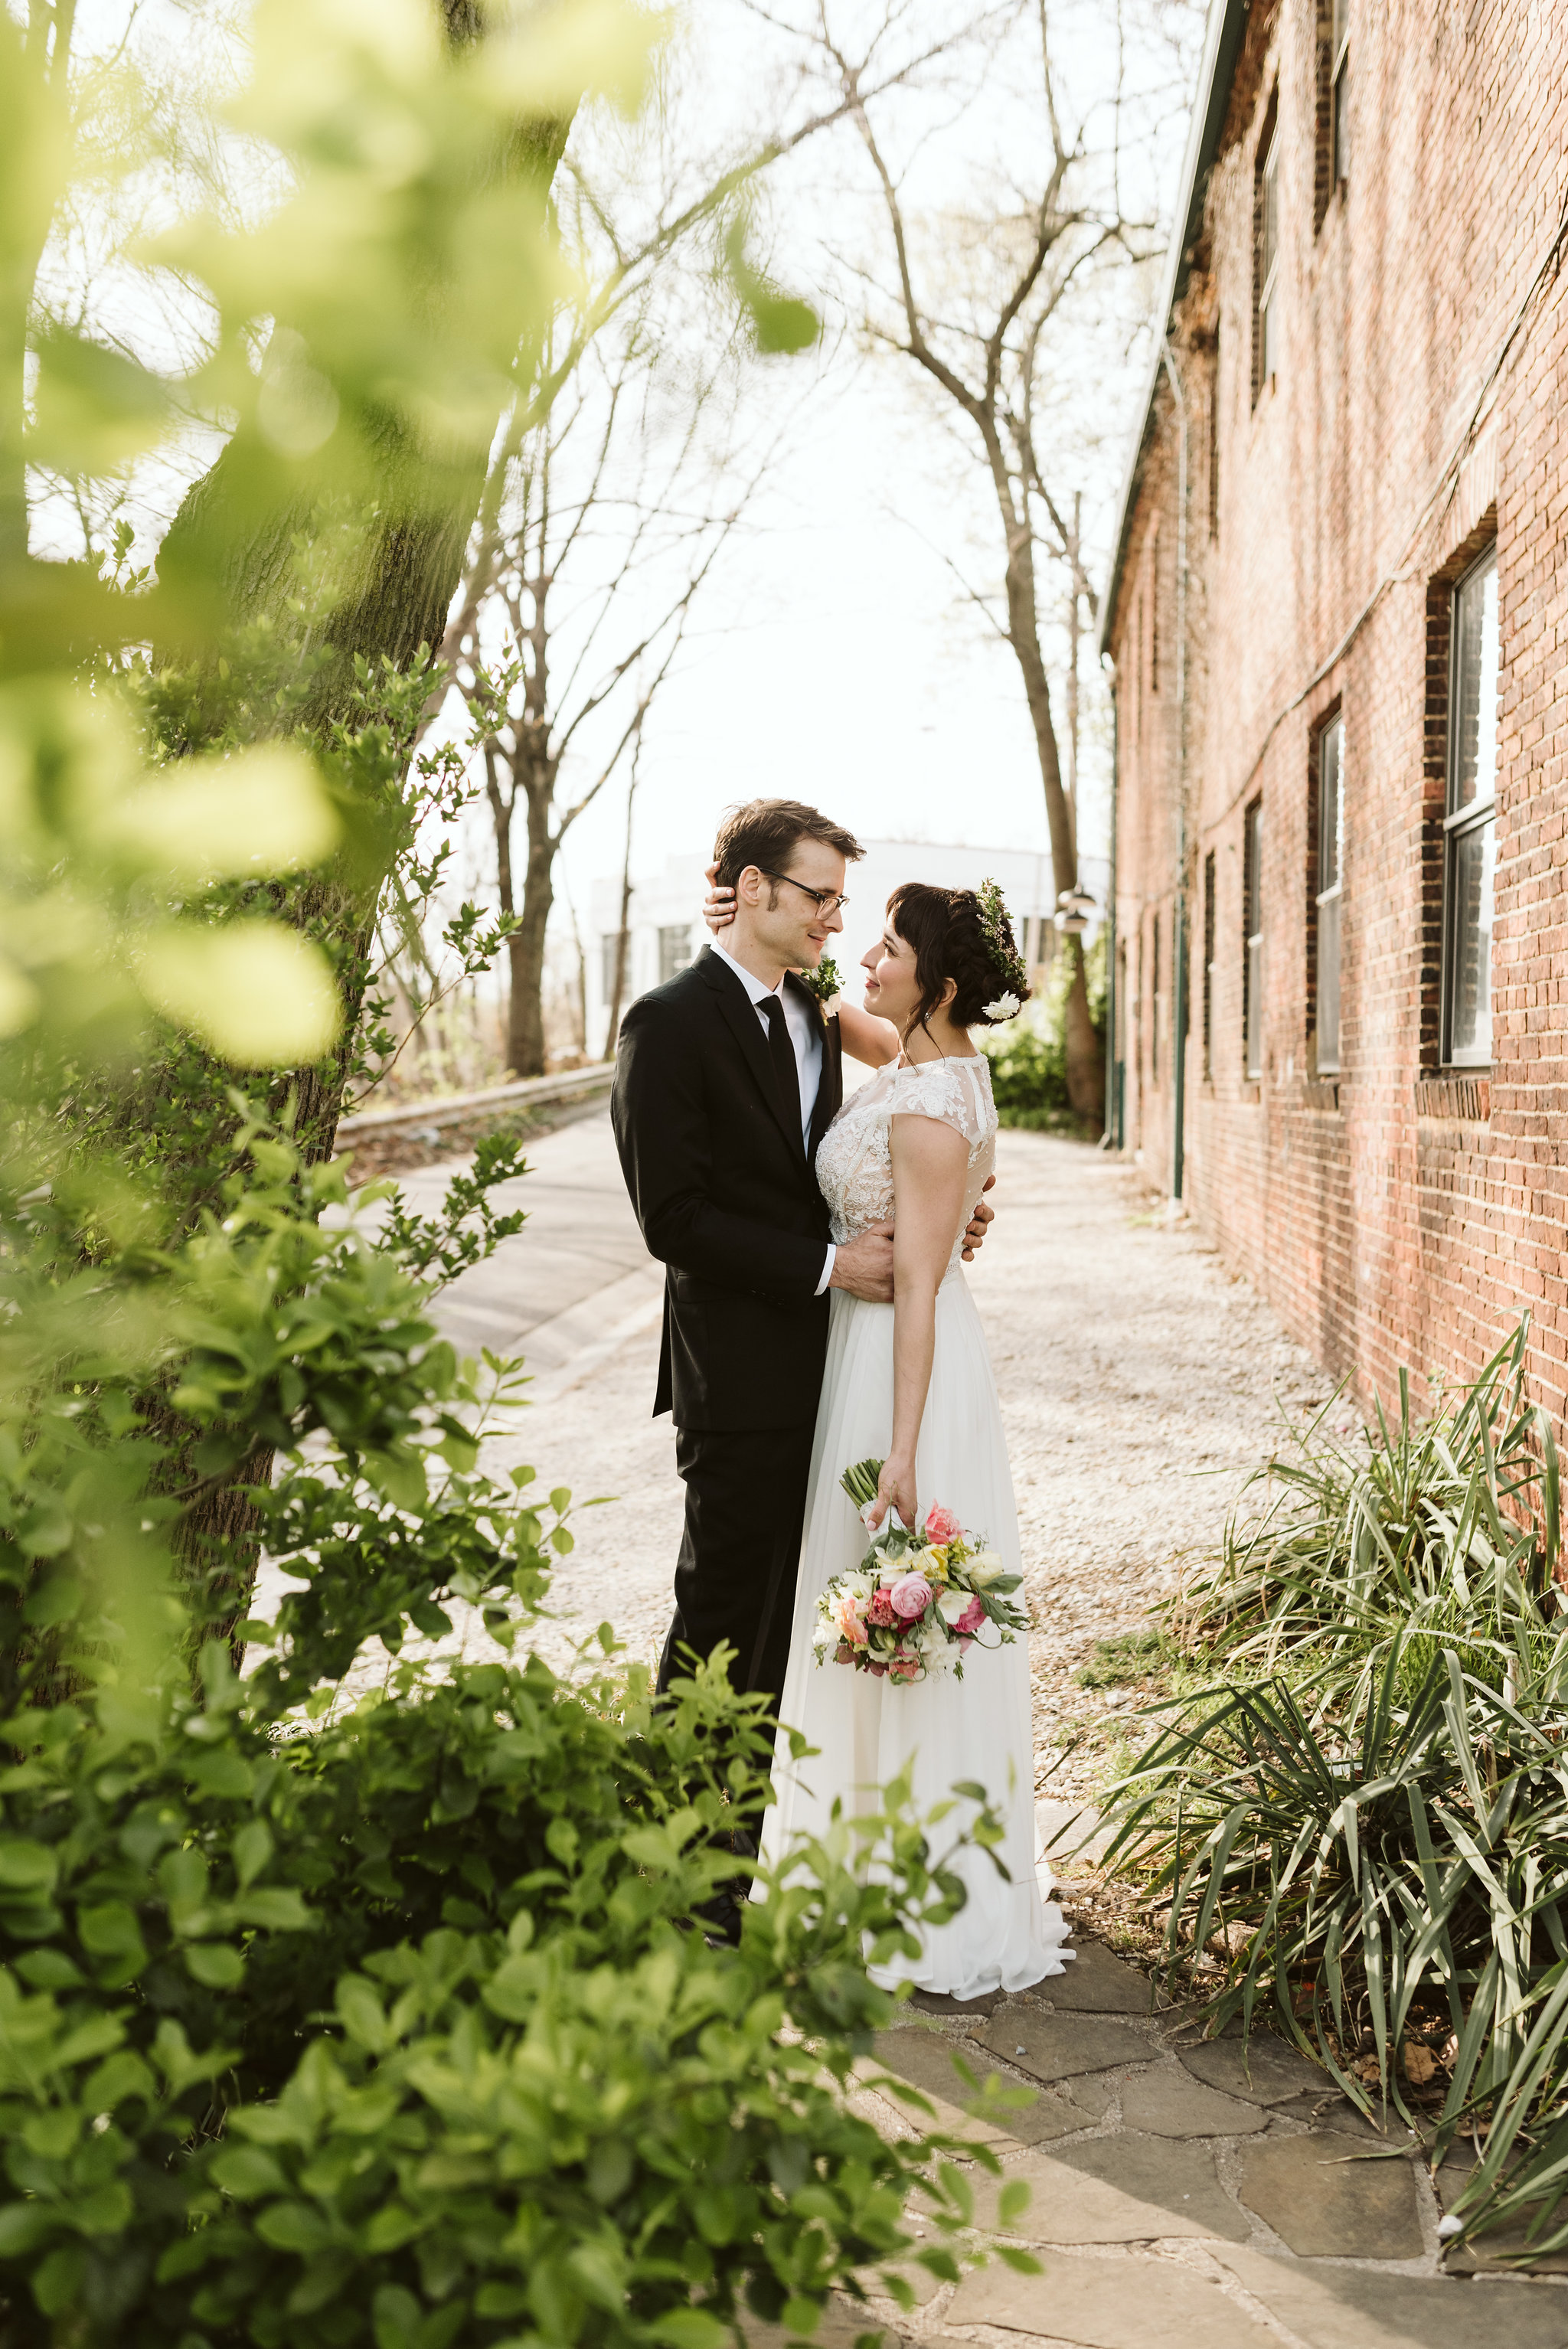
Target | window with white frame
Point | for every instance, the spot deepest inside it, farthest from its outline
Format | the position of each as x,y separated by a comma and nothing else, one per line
1252,934
1339,87
1268,322
1209,909
1470,825
1330,895
1154,1005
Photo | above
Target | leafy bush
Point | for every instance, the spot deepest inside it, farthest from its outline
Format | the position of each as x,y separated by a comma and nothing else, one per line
399,2031
1028,1058
1365,1821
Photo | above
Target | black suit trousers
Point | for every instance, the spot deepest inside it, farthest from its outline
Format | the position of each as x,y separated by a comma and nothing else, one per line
735,1576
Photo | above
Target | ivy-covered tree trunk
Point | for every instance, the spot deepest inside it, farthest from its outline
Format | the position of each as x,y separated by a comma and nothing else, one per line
390,601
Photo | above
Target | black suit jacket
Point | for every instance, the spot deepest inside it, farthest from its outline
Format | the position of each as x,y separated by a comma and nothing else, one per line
728,1199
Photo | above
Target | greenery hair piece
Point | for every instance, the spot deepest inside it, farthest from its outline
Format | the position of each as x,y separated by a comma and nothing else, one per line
998,932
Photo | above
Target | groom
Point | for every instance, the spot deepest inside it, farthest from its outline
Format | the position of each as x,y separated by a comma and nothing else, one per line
727,1078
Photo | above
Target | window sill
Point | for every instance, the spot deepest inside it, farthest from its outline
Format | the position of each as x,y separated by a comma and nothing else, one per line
1459,1099
1321,1093
1252,1090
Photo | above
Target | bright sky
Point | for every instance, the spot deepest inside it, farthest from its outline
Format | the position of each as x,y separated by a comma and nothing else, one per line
837,658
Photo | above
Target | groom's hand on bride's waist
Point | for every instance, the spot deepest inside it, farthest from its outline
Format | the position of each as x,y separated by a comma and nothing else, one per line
864,1266
974,1235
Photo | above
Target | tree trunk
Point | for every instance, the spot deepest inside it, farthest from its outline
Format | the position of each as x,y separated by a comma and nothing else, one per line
525,948
1085,1049
1084,1064
396,599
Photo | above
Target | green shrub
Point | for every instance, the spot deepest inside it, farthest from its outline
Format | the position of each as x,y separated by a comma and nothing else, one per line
1028,1057
1442,1534
1364,1818
398,2029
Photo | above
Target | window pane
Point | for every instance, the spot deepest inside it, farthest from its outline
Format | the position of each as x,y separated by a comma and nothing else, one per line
1473,767
1470,900
1330,747
1271,211
1341,18
1342,121
1208,961
1254,946
1328,984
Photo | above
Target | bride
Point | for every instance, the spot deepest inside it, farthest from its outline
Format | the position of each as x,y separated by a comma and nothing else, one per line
910,1383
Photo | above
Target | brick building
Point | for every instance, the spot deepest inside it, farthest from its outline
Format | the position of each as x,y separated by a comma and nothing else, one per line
1338,615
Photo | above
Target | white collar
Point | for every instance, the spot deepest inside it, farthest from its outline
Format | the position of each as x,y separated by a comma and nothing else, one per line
753,986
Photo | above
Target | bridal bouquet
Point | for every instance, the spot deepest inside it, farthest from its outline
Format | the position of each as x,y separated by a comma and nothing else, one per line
918,1601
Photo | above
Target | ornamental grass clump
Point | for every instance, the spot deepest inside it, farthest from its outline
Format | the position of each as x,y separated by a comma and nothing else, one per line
1358,1834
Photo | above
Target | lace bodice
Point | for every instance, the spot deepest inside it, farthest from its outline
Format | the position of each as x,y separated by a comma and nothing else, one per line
854,1161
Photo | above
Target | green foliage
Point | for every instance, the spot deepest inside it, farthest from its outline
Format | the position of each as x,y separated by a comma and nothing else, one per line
398,2028
1028,1057
1365,1818
1441,1534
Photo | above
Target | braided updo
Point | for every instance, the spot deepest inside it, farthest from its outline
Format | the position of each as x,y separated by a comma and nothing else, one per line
950,941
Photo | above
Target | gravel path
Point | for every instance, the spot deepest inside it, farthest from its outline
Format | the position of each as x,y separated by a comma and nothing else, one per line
1139,1384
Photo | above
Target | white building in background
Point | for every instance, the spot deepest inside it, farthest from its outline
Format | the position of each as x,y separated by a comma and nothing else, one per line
667,930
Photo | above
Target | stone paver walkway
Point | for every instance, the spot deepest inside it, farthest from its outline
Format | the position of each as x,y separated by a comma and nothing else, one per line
1185,2194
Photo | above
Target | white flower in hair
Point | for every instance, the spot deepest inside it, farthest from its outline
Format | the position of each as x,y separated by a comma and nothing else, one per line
1006,1007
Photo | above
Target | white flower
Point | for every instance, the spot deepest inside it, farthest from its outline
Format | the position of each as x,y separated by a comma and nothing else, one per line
951,1605
982,1570
1006,1007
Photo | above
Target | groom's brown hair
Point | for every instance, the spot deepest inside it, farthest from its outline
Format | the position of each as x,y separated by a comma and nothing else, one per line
766,833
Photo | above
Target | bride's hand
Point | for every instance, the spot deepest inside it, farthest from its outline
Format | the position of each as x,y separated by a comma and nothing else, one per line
895,1490
718,911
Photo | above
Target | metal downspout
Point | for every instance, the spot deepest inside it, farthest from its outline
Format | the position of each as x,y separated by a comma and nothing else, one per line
1111,1139
1178,1040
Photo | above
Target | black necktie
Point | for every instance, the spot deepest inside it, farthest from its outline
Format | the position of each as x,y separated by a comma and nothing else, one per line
782,1053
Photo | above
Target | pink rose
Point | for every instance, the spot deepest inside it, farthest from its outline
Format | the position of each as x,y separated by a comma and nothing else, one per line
849,1623
911,1596
969,1622
881,1613
941,1526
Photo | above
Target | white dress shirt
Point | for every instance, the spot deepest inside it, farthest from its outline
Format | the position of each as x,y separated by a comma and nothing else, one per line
806,1038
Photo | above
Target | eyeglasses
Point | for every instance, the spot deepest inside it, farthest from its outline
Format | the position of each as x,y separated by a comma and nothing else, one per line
828,900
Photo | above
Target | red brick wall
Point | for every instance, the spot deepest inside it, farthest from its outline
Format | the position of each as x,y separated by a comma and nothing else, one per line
1395,1214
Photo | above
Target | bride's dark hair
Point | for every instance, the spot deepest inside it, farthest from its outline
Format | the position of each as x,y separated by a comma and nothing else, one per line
946,928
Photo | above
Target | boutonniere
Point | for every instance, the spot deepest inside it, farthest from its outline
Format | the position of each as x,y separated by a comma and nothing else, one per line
823,982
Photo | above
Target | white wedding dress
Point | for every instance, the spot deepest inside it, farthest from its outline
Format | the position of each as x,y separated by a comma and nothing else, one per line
944,1730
